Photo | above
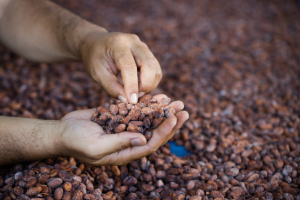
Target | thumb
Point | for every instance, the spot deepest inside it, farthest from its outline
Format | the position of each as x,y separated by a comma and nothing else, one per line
126,64
116,142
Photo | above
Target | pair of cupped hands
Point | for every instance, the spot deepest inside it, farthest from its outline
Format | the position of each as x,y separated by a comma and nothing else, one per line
104,56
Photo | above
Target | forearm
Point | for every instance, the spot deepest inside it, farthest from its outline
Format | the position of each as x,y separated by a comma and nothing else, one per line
43,31
24,139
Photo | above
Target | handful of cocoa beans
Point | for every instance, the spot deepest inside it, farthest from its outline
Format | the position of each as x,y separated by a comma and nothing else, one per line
143,117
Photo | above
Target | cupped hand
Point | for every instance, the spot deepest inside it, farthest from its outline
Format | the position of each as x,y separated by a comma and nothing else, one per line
88,142
104,55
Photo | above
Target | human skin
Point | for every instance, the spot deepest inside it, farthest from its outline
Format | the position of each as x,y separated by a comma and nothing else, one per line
42,31
23,139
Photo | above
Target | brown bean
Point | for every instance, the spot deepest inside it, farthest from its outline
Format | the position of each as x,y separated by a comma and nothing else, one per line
146,110
77,195
135,123
33,191
67,186
54,182
58,193
113,109
43,178
130,180
120,128
134,114
101,110
157,121
134,129
158,113
123,109
66,196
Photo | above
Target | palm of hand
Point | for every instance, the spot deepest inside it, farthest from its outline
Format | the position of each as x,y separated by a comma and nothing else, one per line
82,136
88,142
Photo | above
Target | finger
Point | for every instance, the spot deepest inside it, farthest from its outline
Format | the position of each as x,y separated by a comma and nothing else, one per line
110,83
133,153
158,77
162,132
126,64
148,66
182,116
141,94
159,97
112,143
177,105
80,114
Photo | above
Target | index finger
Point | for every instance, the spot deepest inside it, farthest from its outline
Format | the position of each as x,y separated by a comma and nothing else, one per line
126,64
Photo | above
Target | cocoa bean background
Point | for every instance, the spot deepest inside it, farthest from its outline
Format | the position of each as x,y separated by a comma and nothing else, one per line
235,65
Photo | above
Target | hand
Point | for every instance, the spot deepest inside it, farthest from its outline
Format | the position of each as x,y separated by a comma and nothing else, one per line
87,141
104,55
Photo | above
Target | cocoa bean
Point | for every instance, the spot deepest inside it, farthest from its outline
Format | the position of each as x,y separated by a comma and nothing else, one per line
67,186
134,129
146,110
58,193
122,109
130,180
101,110
113,109
120,128
77,195
136,123
169,112
43,178
157,121
54,182
33,191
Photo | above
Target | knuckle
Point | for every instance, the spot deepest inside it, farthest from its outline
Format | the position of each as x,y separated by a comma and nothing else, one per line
158,76
129,67
153,63
120,146
134,37
131,85
115,41
121,55
144,45
117,37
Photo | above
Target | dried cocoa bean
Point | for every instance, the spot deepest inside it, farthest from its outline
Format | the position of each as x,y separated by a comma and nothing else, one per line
58,193
54,182
33,191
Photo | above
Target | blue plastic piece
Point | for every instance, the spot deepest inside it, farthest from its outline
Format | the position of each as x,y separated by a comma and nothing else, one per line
179,151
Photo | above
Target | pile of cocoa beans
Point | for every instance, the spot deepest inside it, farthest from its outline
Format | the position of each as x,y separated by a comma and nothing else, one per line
65,179
234,64
142,117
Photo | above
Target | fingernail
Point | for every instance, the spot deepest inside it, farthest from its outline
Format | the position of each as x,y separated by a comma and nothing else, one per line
121,98
137,142
133,98
141,94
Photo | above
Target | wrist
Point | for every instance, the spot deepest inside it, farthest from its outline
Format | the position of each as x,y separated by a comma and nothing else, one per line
53,139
